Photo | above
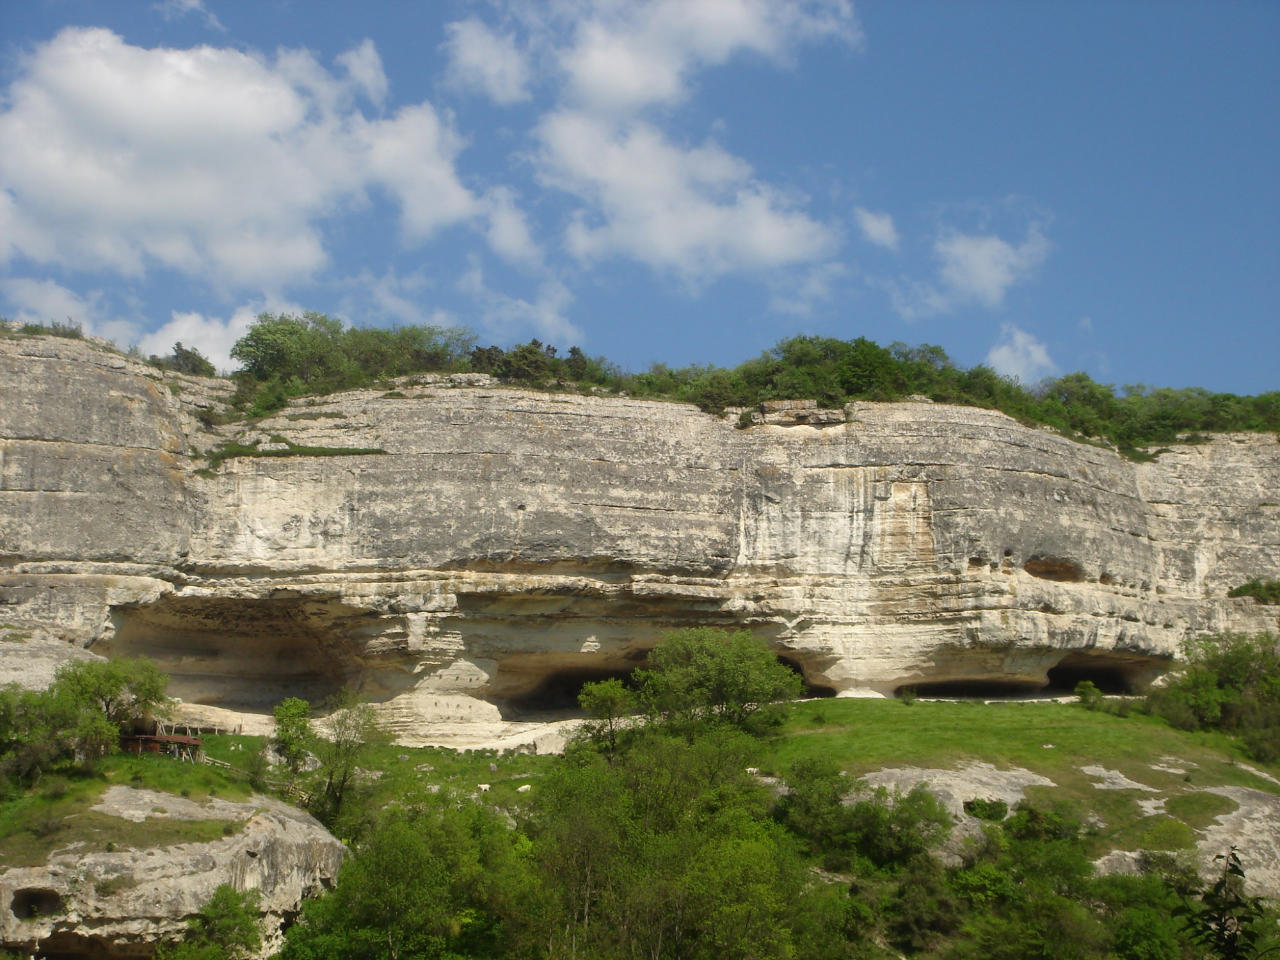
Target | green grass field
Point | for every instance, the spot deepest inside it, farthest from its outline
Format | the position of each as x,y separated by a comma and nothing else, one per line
1051,739
1054,740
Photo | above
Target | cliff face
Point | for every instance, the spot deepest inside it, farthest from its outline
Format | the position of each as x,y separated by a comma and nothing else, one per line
510,544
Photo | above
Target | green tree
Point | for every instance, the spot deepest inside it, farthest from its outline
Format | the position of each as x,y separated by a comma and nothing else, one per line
701,675
293,734
607,704
122,689
226,928
1228,924
436,880
346,735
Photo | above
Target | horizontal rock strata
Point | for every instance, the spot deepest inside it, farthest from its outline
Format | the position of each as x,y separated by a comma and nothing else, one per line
510,544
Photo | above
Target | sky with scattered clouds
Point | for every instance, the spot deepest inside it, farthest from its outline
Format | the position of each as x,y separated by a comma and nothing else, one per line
1043,187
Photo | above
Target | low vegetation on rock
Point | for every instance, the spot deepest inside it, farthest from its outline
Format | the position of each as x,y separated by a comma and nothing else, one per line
285,356
1264,591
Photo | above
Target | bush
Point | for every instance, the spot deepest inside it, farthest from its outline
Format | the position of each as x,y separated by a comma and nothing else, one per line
1262,591
1231,683
991,809
701,676
54,328
1088,695
187,360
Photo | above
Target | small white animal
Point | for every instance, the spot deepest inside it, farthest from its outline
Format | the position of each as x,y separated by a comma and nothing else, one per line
484,787
524,788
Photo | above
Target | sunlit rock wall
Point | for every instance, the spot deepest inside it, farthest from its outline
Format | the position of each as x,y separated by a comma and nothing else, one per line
509,544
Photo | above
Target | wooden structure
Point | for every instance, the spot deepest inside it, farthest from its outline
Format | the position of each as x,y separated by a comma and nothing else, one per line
188,749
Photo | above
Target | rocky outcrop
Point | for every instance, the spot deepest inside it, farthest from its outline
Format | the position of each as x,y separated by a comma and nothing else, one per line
509,544
122,903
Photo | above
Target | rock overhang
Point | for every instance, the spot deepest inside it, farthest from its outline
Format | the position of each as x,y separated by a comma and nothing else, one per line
894,545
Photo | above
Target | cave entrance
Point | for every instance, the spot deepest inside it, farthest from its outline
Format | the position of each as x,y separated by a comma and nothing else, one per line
811,690
555,694
1109,672
36,902
245,654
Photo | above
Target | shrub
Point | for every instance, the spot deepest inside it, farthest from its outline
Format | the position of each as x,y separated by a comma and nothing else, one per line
1262,591
1088,695
989,809
1231,683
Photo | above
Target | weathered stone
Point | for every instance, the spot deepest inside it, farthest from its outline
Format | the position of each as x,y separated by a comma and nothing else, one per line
510,544
122,903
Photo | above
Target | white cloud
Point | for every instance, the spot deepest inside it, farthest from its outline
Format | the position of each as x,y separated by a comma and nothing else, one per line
692,210
1020,355
510,318
508,231
877,228
364,67
176,9
45,301
799,296
626,56
210,161
696,212
982,268
972,269
393,298
488,63
412,155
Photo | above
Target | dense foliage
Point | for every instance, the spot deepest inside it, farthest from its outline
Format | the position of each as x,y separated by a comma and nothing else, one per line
225,928
1231,683
654,837
285,356
77,720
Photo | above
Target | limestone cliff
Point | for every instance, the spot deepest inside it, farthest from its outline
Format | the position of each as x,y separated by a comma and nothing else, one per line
509,544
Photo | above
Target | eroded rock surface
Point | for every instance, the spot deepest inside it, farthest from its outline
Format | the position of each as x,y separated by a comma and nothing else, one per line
122,903
511,544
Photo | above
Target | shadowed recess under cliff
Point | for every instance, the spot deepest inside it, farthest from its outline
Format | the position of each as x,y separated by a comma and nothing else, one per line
245,654
1109,671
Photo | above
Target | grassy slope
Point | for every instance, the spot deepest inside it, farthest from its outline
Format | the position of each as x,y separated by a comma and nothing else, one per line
860,735
867,735
58,813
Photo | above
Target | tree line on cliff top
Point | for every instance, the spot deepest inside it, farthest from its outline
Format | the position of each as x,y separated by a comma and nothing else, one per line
283,356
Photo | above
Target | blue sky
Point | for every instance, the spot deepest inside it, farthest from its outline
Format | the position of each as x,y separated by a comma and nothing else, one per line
1042,186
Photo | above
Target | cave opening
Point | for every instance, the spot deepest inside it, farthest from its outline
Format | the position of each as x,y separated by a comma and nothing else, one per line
244,654
1108,672
555,694
36,902
811,690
